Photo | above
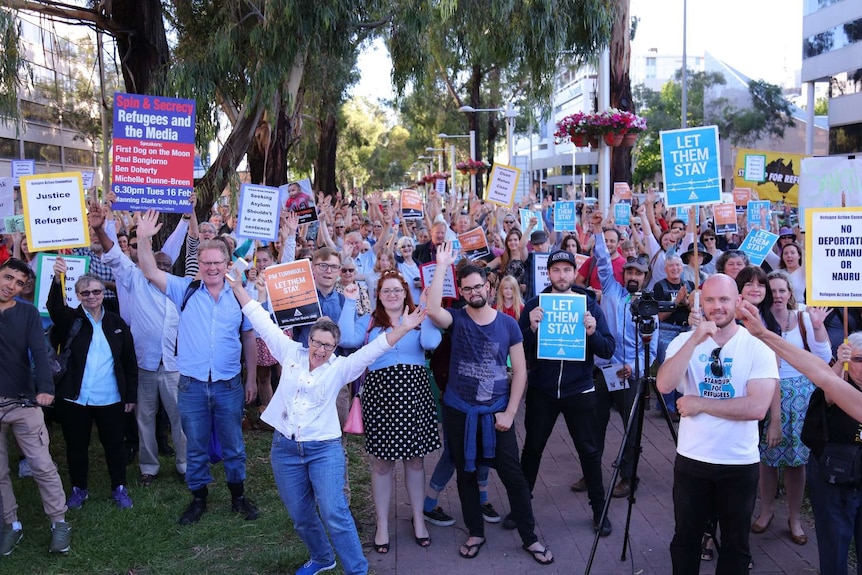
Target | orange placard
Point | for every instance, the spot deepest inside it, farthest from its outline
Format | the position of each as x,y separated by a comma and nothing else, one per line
741,197
622,192
580,259
725,218
292,293
411,204
474,244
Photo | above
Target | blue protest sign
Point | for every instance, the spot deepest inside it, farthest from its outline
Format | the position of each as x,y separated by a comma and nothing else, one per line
526,215
691,166
562,335
754,209
622,214
757,244
565,216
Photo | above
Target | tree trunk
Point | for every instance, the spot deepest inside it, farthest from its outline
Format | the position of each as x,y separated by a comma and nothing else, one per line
621,87
324,163
144,52
472,119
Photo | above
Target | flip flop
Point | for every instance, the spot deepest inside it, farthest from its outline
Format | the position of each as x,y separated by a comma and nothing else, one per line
539,554
469,554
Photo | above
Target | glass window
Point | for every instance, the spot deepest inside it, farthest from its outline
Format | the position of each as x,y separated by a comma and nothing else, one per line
834,39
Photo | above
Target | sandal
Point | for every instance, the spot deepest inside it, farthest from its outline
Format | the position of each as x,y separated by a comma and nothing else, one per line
470,550
382,548
706,554
423,541
539,555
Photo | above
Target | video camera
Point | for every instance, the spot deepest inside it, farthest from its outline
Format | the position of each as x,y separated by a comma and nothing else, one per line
645,305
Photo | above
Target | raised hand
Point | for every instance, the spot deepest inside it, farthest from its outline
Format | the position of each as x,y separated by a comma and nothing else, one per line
149,225
445,256
60,268
414,319
748,314
818,315
351,291
96,217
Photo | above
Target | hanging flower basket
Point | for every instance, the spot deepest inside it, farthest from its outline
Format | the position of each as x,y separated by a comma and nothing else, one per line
582,129
630,139
613,140
593,141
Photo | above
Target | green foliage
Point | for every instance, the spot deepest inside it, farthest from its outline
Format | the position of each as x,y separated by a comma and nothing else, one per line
768,115
11,63
821,107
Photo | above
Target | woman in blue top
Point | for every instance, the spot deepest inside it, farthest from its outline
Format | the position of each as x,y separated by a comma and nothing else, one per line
398,409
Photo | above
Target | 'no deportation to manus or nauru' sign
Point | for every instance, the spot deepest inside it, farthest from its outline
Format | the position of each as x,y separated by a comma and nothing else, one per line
833,256
154,153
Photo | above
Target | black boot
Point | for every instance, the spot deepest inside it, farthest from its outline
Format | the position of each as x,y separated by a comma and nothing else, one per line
196,508
239,503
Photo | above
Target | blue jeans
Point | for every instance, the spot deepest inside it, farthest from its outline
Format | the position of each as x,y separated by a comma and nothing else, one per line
837,520
310,477
445,469
204,405
666,334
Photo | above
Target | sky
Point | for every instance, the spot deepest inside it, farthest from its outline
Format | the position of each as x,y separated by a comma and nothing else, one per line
760,38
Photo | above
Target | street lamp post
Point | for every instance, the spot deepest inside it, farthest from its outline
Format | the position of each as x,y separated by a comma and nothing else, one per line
444,136
439,157
510,115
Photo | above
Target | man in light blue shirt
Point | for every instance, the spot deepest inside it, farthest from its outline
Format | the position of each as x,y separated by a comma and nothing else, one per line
212,335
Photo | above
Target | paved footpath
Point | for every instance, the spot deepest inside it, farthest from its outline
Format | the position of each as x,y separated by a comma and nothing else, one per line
564,521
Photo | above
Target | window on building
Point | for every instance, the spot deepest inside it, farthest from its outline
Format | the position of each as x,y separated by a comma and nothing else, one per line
845,139
79,157
833,39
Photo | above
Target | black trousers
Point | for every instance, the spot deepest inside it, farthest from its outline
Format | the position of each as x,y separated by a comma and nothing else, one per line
77,422
700,492
579,412
508,469
621,401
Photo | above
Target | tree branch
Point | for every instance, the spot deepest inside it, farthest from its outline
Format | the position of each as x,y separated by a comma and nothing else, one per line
68,12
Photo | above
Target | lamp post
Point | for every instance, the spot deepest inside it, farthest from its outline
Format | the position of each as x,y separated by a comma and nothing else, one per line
439,157
510,114
444,136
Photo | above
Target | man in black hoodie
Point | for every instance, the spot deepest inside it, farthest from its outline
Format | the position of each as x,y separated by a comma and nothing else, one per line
566,387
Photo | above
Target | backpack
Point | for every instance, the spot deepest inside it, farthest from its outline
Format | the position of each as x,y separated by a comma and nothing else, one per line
190,290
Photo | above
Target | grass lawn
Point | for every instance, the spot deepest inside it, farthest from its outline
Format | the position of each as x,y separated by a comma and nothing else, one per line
147,538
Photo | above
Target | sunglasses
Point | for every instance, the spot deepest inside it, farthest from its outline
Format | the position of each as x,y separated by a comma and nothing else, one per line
88,293
715,364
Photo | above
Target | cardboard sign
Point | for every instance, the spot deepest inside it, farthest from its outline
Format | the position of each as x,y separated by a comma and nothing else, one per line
526,215
833,256
623,192
622,214
741,197
755,168
565,216
691,166
502,185
87,178
7,197
76,266
54,211
259,212
780,177
474,244
292,293
14,224
440,186
580,259
561,334
297,197
541,280
412,206
22,168
450,288
725,218
153,153
757,244
754,209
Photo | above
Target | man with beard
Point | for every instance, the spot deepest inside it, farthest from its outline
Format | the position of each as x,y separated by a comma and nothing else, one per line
480,404
616,304
565,387
716,468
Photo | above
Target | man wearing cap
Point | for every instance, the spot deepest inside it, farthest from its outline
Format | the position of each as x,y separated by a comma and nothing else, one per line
616,305
541,244
566,387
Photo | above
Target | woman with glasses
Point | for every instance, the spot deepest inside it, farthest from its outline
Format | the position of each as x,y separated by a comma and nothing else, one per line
710,242
780,444
307,457
385,262
348,277
398,409
408,267
100,384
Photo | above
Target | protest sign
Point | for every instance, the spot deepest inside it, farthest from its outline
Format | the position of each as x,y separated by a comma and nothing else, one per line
7,197
691,166
411,205
613,378
427,271
622,214
259,213
833,256
741,197
14,224
526,215
88,177
54,211
623,192
540,272
474,244
561,334
22,168
153,153
778,181
756,208
502,185
725,218
292,293
757,244
580,259
440,186
825,180
565,216
297,197
76,266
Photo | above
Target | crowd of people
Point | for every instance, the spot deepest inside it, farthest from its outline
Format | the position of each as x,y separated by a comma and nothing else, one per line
162,328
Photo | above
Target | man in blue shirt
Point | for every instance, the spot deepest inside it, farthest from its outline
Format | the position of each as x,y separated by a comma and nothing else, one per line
212,335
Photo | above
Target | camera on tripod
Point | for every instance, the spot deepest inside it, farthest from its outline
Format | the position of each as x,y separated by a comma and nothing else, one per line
644,309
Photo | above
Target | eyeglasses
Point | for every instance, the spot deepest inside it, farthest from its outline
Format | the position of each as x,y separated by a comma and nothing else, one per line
364,250
467,290
211,264
88,293
134,245
378,226
327,267
508,221
339,227
715,364
319,344
348,270
708,239
392,291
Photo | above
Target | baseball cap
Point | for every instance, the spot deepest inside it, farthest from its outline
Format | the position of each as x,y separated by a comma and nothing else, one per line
538,237
562,256
640,262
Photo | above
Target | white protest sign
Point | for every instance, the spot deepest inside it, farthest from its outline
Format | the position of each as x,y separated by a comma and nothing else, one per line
88,178
7,197
833,256
259,212
755,168
502,185
76,266
440,186
22,168
541,279
427,271
55,212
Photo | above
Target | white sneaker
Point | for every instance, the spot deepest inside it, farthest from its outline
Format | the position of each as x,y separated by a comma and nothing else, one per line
24,469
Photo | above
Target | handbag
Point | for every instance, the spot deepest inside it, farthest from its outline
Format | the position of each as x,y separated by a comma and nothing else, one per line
354,424
841,464
59,360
